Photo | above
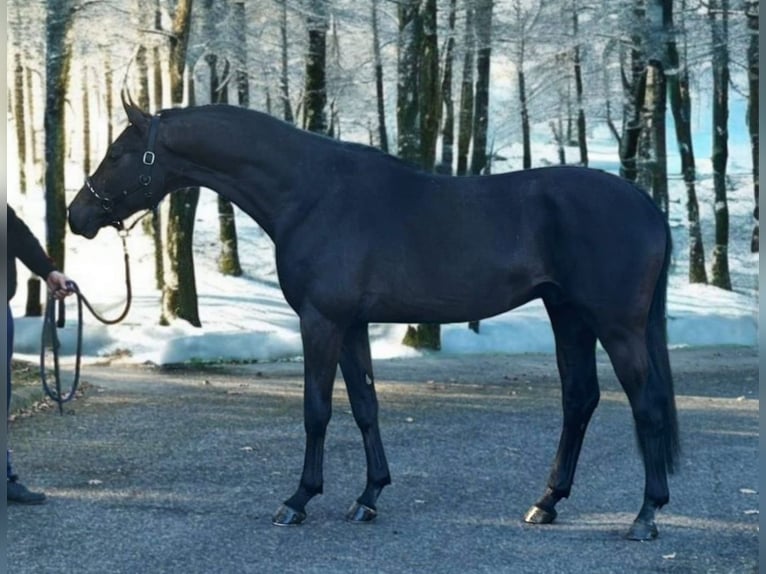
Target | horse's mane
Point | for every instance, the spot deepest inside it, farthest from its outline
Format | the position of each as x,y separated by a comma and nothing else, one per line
245,114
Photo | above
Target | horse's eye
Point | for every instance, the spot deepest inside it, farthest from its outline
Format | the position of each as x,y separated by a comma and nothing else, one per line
115,151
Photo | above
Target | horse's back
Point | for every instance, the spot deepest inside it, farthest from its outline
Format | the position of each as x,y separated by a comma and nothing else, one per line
405,246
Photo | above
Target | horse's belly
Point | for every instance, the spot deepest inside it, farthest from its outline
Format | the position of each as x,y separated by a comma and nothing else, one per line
442,304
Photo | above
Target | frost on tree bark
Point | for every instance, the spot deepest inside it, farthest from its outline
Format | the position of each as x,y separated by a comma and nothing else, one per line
677,76
718,14
179,296
751,12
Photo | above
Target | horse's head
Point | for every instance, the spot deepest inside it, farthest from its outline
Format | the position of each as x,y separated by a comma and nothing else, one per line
126,181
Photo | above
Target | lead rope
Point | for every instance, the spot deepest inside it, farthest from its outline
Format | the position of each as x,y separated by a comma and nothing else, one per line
50,339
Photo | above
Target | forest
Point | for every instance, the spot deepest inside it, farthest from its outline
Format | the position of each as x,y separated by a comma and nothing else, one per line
454,86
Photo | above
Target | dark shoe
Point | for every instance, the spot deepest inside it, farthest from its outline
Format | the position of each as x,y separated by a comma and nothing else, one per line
20,494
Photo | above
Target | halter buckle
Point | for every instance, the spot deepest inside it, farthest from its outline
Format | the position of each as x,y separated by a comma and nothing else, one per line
148,158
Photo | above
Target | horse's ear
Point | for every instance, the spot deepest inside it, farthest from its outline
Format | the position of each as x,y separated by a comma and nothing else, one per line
136,116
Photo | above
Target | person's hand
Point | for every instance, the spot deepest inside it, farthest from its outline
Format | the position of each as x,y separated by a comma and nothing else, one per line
57,283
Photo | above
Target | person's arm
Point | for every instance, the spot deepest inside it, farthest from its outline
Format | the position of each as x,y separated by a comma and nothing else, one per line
33,256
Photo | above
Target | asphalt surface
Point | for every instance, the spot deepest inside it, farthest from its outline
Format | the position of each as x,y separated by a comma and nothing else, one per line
179,471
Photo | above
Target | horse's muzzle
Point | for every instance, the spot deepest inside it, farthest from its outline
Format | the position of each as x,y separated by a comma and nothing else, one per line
81,223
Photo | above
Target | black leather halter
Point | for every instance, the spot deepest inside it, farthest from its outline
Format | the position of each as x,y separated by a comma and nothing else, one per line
144,176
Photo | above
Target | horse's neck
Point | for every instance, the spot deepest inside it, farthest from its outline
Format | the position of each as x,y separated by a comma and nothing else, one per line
241,160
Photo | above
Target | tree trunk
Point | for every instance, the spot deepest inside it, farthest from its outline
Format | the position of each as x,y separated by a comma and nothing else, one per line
156,216
634,87
157,61
109,100
465,128
228,257
34,307
560,137
677,77
316,72
524,110
379,96
33,304
86,135
751,12
654,165
719,27
409,110
582,140
284,85
145,19
483,31
483,54
30,110
20,120
241,77
429,87
179,296
408,77
448,126
58,62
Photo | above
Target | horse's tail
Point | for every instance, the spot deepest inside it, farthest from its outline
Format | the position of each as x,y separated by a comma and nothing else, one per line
660,380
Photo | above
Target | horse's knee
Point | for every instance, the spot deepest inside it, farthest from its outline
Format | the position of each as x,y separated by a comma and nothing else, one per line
316,418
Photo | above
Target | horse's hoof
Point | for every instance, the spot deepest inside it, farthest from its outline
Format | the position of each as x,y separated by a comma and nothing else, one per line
286,516
642,531
537,515
361,514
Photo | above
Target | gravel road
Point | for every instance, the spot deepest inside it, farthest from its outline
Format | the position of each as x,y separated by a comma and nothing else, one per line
179,471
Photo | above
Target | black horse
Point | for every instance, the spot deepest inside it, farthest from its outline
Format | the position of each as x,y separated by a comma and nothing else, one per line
363,237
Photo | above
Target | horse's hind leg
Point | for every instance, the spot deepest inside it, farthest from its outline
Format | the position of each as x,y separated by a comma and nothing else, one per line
356,366
321,349
576,358
646,381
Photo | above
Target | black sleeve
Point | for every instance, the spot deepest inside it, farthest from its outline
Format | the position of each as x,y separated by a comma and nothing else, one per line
26,247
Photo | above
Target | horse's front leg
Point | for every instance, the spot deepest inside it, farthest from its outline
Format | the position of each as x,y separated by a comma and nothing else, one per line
322,341
356,365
